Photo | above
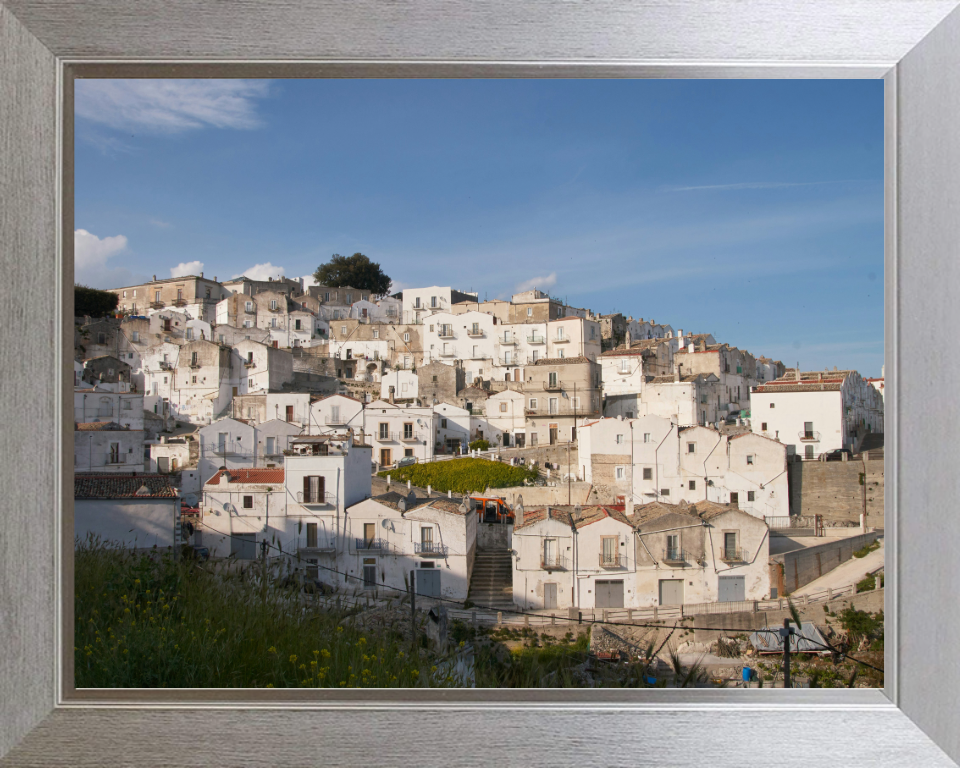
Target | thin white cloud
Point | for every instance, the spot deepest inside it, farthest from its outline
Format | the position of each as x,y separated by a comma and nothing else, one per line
92,261
160,223
185,268
170,106
548,281
762,185
262,271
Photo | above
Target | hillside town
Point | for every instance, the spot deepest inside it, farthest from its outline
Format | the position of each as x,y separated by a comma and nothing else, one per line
670,471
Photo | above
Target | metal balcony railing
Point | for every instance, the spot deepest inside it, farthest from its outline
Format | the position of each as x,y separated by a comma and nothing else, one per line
448,353
316,499
561,339
249,363
554,563
555,386
536,339
475,334
731,555
412,437
478,356
320,544
157,305
371,545
388,437
512,341
429,549
179,302
809,436
611,561
334,420
445,335
276,309
165,365
674,556
194,364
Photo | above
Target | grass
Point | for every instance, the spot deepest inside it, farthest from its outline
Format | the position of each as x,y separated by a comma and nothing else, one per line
148,621
462,475
869,583
867,549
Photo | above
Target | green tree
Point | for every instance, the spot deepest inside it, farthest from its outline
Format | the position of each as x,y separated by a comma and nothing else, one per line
355,271
90,301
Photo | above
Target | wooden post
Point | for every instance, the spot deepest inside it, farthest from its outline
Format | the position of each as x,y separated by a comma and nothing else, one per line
604,614
526,620
829,593
499,618
553,619
654,613
473,618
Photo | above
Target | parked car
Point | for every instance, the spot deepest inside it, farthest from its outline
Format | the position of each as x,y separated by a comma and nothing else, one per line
837,454
406,461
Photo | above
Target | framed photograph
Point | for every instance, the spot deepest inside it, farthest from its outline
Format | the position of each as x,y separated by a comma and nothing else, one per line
45,50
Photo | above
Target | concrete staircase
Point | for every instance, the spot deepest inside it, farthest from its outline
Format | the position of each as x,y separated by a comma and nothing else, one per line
491,584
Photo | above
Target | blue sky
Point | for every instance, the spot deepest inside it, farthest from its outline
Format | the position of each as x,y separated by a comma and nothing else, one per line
752,210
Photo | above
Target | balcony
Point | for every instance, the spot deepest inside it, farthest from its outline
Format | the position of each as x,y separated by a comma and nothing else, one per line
179,302
165,365
319,546
334,421
412,437
316,499
512,360
194,364
478,356
674,557
223,449
536,339
429,549
512,341
447,353
388,437
249,310
445,335
554,563
475,334
157,305
731,555
116,458
371,545
611,561
276,309
561,339
809,437
249,364
554,386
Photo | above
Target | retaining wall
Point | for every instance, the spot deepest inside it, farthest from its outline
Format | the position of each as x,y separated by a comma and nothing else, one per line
833,489
804,565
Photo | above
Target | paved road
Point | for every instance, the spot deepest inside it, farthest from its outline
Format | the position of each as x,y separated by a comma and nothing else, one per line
846,573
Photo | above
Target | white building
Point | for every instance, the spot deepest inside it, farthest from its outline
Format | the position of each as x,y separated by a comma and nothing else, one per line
107,447
420,302
405,385
397,431
274,437
136,511
227,443
391,535
96,404
816,411
567,559
651,459
505,415
336,414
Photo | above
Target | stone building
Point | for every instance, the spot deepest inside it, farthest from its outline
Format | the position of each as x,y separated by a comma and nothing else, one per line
561,393
438,382
196,295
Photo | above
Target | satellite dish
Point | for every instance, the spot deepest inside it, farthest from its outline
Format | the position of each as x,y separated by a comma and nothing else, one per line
229,508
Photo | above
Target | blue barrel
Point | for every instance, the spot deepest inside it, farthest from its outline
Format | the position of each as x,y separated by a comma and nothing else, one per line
747,674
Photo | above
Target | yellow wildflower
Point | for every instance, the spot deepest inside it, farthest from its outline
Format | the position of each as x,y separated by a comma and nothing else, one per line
269,685
325,653
271,649
293,659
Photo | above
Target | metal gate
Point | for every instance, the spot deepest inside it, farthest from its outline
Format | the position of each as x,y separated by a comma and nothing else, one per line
609,594
549,595
428,582
671,591
731,589
244,546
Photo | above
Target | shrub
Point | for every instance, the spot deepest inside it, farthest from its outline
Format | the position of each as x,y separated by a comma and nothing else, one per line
867,549
479,445
462,475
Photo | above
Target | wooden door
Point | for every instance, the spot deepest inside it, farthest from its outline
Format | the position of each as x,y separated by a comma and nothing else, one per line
385,457
289,413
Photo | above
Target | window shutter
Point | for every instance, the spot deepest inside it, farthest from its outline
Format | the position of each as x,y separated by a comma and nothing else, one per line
306,488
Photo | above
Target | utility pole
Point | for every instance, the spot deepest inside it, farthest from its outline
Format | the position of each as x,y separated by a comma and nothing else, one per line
568,472
263,570
785,634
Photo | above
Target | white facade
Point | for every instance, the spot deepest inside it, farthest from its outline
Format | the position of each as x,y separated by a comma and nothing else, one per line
226,443
106,448
435,538
98,405
652,459
139,522
819,413
336,414
274,436
418,303
292,407
398,431
405,385
505,415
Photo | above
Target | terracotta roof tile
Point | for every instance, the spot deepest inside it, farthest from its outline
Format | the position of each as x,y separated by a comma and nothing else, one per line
104,486
251,476
563,360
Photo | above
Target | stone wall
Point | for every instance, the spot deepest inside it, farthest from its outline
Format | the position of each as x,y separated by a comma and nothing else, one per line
543,495
833,489
494,536
804,565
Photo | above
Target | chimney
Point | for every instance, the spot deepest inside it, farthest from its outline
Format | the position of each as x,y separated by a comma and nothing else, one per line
628,506
518,512
154,278
703,345
690,348
392,389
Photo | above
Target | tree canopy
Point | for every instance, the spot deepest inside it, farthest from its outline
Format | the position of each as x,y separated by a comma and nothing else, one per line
90,301
355,271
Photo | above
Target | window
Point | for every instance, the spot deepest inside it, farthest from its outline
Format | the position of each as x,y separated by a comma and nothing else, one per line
384,430
529,311
664,491
533,438
475,329
673,546
416,303
249,306
136,336
154,388
194,379
443,423
407,430
533,403
648,473
326,296
248,502
101,338
624,366
763,426
273,322
552,379
406,337
734,497
348,298
554,402
560,333
311,534
749,458
751,495
314,489
773,405
808,429
343,330
646,437
619,439
808,451
692,485
629,414
433,301
273,303
691,447
621,473
127,405
560,353
336,314
503,407
536,355
376,333
157,296
296,325
408,451
369,573
609,550
124,294
189,334
434,379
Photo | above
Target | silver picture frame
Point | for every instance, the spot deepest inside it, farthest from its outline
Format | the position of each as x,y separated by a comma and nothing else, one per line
914,45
